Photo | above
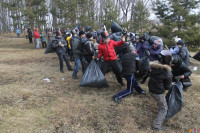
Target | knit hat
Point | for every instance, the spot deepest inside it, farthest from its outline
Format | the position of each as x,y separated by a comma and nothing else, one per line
81,33
181,42
89,35
104,35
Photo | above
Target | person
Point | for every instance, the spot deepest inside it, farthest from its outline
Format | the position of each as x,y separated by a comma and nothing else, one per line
76,49
18,33
88,49
175,49
141,47
69,46
180,71
83,39
160,80
130,65
37,36
30,35
183,52
61,51
43,39
155,50
50,35
26,32
106,49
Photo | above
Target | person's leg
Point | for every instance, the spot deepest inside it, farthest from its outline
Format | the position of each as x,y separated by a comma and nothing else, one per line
106,65
84,64
43,44
162,110
60,56
116,70
31,40
129,90
71,54
37,43
76,68
137,87
67,61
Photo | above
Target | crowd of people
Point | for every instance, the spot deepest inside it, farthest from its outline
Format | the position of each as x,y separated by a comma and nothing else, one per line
80,46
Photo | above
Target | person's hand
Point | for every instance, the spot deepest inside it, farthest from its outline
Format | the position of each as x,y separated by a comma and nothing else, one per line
93,57
182,77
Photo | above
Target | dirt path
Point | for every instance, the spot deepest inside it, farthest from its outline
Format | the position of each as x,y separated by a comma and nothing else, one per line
30,104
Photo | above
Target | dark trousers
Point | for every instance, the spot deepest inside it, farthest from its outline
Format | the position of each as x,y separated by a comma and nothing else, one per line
131,85
44,44
62,56
115,67
30,40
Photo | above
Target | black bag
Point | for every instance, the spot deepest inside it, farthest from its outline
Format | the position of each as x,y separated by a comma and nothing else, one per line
186,84
51,47
197,56
143,68
115,27
93,77
174,100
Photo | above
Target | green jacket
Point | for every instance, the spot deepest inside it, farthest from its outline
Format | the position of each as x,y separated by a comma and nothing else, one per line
43,37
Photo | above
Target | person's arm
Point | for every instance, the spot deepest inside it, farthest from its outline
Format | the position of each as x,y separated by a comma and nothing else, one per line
187,71
146,45
100,53
89,49
168,81
182,54
118,44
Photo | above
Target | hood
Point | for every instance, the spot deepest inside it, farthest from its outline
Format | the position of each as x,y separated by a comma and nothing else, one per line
158,68
36,29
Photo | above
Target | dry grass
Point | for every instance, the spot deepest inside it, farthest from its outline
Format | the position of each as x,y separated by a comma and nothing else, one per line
30,105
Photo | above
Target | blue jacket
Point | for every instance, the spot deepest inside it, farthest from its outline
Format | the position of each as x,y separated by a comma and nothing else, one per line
141,47
17,31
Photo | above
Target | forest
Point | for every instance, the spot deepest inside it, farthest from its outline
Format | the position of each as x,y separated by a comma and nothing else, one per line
173,17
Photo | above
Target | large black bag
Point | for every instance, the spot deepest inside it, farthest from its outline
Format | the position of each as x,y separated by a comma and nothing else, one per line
51,46
143,67
115,27
174,100
197,56
116,36
93,77
153,38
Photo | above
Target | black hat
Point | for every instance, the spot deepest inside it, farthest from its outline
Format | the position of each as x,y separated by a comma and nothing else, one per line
181,42
58,33
81,33
89,35
104,35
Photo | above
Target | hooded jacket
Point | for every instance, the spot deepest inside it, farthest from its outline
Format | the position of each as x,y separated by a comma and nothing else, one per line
36,34
88,50
180,68
108,51
184,54
160,78
59,49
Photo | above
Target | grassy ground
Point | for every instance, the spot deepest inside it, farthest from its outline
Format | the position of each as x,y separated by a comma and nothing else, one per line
28,104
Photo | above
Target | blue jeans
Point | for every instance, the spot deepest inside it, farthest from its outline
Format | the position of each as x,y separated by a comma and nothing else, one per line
131,84
77,66
37,43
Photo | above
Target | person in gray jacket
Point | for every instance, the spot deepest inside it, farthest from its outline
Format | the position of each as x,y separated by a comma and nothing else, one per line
183,52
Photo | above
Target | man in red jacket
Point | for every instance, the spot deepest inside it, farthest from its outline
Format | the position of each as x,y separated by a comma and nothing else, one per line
106,49
37,37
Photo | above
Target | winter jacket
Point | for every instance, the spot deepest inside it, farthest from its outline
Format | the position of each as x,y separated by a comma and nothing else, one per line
107,50
43,37
17,31
184,54
180,68
59,49
141,48
36,34
88,50
129,62
155,53
160,78
76,46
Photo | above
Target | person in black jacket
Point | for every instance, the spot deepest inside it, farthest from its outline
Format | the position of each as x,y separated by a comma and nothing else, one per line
61,51
160,80
129,67
88,50
180,71
30,35
183,52
76,50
